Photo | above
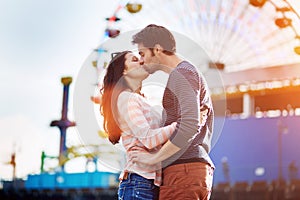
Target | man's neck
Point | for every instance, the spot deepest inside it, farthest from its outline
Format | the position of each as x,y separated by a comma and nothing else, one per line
171,62
166,69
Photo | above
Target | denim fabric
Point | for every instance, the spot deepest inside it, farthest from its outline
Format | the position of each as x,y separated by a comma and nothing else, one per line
136,187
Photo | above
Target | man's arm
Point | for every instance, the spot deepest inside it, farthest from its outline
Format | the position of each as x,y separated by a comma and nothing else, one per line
167,150
184,85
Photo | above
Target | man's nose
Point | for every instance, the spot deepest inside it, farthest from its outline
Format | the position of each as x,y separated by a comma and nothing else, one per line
141,61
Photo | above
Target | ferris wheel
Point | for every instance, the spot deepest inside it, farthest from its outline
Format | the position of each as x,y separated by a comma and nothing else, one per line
236,34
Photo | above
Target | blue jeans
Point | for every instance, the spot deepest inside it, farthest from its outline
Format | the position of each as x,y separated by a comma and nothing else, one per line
136,187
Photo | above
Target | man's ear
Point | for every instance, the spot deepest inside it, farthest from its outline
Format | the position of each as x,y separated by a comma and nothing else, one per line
157,48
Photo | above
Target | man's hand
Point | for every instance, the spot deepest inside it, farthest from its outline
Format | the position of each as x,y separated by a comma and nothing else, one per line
203,115
142,157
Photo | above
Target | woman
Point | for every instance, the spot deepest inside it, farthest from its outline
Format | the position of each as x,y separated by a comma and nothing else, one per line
127,116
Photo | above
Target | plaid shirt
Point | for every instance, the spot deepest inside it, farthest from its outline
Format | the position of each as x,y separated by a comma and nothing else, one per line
140,125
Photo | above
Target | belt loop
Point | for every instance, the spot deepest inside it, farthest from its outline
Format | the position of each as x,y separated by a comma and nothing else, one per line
186,168
125,175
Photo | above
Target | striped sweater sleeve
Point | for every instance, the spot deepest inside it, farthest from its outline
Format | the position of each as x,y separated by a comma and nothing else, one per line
184,85
130,107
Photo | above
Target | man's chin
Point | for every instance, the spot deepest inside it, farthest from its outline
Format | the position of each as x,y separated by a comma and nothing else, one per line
150,71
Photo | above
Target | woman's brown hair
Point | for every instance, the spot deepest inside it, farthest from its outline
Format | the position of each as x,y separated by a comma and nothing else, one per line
113,85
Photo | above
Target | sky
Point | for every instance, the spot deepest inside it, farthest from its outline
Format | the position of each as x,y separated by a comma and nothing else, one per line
40,42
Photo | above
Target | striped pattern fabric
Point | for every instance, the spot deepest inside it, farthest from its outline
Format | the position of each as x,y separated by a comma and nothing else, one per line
185,93
140,125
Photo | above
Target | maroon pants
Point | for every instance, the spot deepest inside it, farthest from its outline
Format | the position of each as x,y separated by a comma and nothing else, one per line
187,181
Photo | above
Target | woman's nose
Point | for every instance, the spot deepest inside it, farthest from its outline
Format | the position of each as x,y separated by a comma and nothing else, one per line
141,61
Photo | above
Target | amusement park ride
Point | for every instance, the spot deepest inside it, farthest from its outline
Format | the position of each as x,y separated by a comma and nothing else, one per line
61,179
64,122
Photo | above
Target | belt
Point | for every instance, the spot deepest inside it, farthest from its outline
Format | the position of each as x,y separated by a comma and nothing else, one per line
125,176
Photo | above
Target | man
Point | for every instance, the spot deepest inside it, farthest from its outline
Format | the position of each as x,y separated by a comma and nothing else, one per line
187,167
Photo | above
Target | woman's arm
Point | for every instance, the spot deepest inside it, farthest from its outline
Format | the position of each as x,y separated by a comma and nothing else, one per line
130,109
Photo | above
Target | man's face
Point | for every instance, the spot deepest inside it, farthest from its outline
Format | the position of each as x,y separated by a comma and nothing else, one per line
148,59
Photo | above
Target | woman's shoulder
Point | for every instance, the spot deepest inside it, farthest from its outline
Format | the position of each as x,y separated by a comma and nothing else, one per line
126,96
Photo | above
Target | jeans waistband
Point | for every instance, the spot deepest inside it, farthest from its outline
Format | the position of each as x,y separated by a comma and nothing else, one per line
131,175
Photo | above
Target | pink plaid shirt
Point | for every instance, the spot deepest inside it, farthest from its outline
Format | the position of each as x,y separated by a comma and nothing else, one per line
140,124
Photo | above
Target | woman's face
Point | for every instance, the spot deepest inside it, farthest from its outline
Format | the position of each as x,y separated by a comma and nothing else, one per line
133,69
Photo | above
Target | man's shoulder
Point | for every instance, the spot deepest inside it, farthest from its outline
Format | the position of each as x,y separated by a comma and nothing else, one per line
186,69
185,65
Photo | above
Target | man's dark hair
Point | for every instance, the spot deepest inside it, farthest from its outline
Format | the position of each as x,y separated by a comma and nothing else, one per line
155,34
